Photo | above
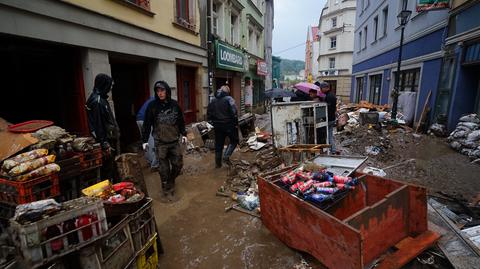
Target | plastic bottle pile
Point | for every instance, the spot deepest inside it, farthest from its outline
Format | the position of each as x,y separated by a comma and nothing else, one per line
318,186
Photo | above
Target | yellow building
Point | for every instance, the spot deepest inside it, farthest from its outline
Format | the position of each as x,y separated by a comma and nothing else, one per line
52,50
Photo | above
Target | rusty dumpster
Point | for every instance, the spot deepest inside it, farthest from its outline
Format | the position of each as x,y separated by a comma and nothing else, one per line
371,219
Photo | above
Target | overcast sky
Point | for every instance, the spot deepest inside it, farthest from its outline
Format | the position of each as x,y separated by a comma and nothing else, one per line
292,18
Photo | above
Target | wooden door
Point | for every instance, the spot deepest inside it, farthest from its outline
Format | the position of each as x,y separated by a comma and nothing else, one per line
186,92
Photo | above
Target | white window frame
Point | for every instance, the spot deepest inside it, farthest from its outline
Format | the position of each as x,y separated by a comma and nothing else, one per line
375,28
330,62
333,40
334,22
235,28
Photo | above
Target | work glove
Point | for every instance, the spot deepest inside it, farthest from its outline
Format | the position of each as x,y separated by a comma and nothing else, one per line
184,140
144,146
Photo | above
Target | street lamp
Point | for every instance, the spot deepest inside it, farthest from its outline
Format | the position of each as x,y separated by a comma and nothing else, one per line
402,17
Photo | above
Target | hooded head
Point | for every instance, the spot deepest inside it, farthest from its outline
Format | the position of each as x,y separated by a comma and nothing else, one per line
223,91
324,87
162,85
103,84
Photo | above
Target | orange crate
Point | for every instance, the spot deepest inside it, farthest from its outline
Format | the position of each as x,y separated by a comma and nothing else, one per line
91,159
21,192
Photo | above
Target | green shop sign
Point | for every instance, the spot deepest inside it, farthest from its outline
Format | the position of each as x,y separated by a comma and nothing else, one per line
229,57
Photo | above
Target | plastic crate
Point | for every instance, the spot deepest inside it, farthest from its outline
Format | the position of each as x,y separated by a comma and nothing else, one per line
7,211
36,250
21,192
113,251
142,225
91,159
147,258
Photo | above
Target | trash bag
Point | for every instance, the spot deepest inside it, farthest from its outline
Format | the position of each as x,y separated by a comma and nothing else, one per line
42,171
33,211
455,145
249,202
23,157
31,165
469,125
83,144
474,136
52,132
470,118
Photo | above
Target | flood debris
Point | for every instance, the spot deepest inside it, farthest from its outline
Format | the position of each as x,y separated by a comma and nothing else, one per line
466,137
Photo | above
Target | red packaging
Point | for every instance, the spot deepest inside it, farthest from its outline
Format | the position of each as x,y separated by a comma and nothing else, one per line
295,186
289,178
305,186
323,184
123,185
341,179
304,176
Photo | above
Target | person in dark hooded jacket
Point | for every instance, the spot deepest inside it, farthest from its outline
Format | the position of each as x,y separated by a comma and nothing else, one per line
101,121
164,119
222,113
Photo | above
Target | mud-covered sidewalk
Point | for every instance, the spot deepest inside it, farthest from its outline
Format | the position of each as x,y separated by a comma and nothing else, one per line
197,232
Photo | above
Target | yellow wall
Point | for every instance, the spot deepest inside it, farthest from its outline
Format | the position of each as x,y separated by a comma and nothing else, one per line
161,22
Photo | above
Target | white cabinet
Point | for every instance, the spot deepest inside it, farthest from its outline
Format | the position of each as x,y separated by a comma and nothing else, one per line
299,123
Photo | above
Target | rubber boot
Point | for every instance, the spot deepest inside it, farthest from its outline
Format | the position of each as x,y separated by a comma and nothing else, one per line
218,161
165,193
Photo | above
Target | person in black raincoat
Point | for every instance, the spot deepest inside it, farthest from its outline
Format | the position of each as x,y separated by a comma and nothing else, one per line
164,119
222,113
101,121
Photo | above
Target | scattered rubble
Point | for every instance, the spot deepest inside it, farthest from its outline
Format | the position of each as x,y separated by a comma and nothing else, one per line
466,137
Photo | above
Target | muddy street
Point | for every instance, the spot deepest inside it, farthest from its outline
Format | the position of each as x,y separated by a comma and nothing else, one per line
196,232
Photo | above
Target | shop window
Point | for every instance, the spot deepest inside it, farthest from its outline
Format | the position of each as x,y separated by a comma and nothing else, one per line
375,87
185,13
359,90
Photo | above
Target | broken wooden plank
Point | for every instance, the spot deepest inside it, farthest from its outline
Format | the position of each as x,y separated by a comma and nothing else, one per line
408,249
456,249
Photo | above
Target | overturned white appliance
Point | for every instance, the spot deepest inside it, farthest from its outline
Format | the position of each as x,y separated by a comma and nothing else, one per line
299,123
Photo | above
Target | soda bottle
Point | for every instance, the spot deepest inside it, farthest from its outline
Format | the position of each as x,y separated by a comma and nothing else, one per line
304,176
289,178
305,186
69,225
57,244
87,232
323,184
318,197
341,179
327,190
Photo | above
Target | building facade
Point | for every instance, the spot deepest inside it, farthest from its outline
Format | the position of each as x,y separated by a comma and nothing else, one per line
336,41
459,86
375,56
60,46
237,29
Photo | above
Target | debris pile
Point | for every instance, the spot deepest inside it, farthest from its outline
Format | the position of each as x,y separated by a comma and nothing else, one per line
351,116
466,137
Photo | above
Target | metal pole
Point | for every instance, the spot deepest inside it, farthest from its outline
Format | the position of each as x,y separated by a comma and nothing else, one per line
397,78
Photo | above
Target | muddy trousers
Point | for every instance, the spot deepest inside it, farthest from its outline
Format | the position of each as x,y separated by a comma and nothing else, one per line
223,131
170,163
